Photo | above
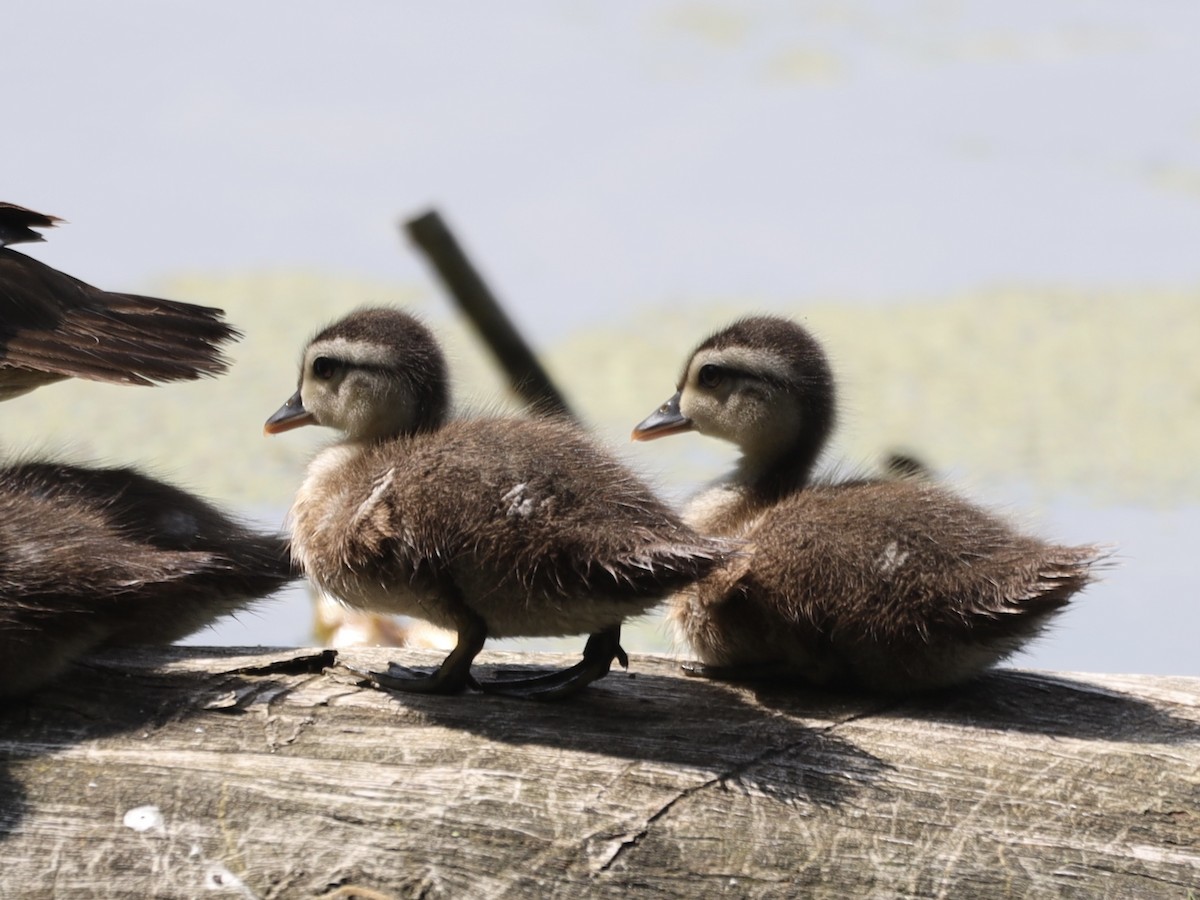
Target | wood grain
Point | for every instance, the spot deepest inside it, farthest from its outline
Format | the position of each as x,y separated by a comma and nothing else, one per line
261,773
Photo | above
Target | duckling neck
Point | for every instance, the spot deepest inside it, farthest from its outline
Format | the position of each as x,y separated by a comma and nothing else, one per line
771,474
770,481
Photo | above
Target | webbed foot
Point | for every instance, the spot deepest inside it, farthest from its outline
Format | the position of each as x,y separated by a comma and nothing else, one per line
598,654
442,680
453,676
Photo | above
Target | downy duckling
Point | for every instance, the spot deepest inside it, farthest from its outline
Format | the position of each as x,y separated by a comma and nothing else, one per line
93,557
497,527
893,585
53,326
337,625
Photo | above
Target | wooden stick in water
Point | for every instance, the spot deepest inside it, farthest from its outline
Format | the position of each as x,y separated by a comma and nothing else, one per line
429,232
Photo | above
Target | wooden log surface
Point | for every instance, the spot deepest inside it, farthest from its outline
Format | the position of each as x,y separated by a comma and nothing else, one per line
183,772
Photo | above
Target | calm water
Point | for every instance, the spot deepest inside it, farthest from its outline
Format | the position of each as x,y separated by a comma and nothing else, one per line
989,211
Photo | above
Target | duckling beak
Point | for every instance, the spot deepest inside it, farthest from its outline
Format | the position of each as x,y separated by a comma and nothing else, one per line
667,419
291,415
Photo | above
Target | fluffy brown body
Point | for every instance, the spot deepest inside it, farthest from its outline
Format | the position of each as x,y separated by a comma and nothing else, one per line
53,326
541,531
490,527
890,585
93,557
887,585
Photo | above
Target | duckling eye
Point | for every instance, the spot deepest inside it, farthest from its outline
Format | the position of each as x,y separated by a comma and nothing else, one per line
324,367
710,376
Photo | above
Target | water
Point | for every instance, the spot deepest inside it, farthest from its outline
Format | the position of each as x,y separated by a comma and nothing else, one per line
988,211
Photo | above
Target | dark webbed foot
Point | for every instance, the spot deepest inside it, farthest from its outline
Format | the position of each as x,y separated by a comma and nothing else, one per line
598,654
447,678
453,676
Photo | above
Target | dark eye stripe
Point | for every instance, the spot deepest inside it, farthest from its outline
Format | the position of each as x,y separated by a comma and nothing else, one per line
712,374
325,367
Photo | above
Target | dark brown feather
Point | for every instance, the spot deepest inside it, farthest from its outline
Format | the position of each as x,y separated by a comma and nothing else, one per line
17,224
92,557
54,326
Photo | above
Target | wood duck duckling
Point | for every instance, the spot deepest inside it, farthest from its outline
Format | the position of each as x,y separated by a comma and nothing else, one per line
53,326
893,585
337,625
93,557
497,527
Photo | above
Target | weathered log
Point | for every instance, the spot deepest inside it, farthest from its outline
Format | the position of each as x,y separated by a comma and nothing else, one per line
253,773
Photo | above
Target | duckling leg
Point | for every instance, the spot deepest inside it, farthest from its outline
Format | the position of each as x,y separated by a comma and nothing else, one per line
453,676
598,655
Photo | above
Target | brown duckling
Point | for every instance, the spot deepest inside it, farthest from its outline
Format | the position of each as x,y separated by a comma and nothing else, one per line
337,625
93,557
893,585
53,326
498,527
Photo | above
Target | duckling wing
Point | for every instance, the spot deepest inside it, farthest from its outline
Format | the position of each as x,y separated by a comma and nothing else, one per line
561,514
53,323
903,560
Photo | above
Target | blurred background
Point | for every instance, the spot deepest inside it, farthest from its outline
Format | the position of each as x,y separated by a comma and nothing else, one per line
989,212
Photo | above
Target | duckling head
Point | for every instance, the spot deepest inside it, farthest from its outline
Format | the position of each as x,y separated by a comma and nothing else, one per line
373,375
764,384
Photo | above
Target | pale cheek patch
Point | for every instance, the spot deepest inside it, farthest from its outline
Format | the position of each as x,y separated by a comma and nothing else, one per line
350,351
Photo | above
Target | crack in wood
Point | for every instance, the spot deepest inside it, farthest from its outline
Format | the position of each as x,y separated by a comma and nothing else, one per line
304,664
732,774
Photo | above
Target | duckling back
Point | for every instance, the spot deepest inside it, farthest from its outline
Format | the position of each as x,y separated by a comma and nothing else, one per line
105,556
889,585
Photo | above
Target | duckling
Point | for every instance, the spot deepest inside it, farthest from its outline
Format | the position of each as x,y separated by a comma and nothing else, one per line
337,625
496,527
894,585
53,326
93,557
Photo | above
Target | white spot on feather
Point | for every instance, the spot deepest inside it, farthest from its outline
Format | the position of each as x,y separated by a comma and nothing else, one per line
892,558
30,552
518,503
377,492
